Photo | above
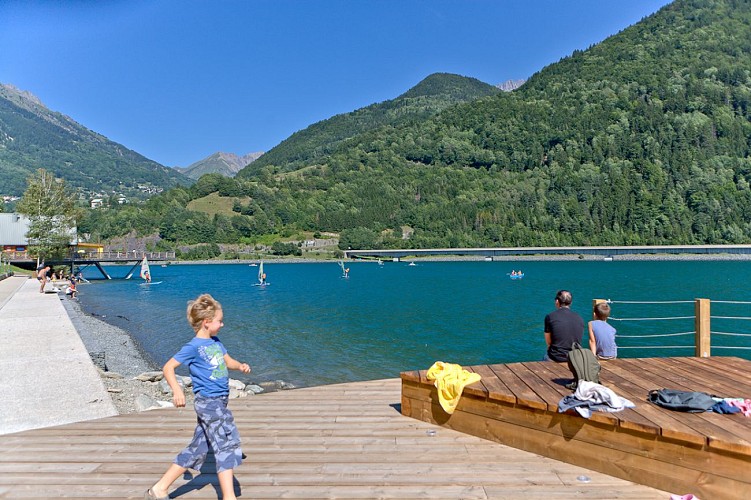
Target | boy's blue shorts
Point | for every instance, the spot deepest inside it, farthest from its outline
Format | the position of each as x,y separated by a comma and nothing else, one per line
215,432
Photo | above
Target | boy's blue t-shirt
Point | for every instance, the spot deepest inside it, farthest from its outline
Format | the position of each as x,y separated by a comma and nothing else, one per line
205,360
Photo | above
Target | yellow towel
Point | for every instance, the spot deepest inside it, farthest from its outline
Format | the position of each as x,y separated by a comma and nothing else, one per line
450,380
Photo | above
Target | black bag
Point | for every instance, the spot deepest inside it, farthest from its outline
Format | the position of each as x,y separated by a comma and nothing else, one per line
674,399
583,365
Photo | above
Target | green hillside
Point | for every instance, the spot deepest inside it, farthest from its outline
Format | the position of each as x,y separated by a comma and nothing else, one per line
641,139
33,137
433,94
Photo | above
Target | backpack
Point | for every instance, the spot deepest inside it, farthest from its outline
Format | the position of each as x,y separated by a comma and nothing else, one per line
674,399
583,365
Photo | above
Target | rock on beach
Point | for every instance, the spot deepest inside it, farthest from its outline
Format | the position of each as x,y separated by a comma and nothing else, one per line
133,381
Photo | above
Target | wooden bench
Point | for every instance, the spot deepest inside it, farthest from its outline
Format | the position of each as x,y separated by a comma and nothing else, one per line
516,404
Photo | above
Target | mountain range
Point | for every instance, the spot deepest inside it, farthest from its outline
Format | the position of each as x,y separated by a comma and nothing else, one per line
227,164
33,137
644,138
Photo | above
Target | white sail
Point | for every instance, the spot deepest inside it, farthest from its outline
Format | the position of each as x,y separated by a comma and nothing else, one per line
145,271
261,274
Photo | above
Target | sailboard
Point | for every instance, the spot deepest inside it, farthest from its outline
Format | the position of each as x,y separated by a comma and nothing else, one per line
145,270
345,271
261,276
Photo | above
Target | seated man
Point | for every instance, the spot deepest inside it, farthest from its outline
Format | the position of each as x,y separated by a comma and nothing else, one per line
563,327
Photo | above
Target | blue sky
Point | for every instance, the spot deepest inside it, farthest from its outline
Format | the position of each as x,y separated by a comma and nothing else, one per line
179,80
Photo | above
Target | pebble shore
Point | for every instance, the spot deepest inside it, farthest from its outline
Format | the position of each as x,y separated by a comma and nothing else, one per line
132,379
119,359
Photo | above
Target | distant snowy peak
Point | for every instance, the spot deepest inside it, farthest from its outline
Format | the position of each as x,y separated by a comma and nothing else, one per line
510,85
227,164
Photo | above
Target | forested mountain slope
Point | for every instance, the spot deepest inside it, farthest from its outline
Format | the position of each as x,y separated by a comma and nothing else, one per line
641,139
433,94
33,137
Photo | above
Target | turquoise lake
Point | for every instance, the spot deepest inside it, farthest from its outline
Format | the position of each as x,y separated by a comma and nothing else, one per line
310,326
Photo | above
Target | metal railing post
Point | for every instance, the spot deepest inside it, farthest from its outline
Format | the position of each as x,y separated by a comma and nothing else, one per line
702,327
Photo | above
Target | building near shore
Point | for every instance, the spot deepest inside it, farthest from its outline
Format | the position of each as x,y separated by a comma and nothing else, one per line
15,244
13,230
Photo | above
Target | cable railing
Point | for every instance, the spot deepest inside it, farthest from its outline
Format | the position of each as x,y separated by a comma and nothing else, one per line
637,319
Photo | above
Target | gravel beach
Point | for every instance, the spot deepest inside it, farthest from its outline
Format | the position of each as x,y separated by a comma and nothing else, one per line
120,359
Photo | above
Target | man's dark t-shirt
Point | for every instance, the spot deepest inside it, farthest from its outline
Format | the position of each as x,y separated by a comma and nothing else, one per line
565,327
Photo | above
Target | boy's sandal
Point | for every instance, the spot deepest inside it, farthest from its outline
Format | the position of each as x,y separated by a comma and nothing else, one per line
150,496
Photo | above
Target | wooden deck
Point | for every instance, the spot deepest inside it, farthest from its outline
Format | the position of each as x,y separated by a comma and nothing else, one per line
337,441
706,454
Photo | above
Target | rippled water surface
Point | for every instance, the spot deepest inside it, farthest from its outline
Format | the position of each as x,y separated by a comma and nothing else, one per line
310,326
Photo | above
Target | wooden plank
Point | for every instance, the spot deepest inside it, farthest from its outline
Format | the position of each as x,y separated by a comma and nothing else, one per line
413,376
348,441
497,390
711,377
295,450
521,391
661,459
537,385
716,432
478,389
671,425
597,452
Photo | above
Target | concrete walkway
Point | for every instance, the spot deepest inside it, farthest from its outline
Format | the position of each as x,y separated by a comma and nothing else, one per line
47,376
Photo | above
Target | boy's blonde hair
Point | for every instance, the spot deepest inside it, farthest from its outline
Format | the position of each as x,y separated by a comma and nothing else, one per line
204,307
602,310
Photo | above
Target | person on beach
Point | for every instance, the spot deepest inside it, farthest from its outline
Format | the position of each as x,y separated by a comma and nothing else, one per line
71,290
601,333
563,327
42,277
215,431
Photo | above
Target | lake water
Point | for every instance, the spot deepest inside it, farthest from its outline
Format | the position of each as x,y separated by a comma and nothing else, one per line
310,326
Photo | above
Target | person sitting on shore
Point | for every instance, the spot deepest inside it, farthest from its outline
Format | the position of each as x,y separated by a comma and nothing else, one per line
602,334
71,290
563,327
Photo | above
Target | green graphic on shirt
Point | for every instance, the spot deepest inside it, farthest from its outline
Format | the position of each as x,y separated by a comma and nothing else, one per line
212,354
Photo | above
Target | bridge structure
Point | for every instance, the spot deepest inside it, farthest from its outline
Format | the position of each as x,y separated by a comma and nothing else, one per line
78,261
604,251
